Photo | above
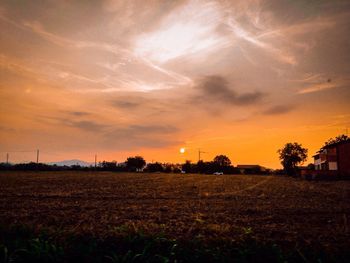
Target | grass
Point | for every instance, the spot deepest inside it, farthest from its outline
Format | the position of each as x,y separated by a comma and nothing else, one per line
24,244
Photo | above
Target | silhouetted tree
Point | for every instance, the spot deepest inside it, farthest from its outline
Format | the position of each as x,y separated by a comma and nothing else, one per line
108,166
135,163
154,167
168,167
201,167
187,167
339,138
222,161
291,155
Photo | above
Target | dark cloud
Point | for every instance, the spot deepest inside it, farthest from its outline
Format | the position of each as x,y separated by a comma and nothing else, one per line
217,88
138,136
126,104
249,98
87,125
279,109
144,130
78,113
6,128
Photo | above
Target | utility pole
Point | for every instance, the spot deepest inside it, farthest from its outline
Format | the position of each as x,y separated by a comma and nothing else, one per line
37,156
95,160
7,158
199,154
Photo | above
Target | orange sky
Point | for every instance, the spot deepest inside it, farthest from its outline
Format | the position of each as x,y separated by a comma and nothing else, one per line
120,78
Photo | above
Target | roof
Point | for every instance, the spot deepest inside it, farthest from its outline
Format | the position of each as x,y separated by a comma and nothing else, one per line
335,144
331,146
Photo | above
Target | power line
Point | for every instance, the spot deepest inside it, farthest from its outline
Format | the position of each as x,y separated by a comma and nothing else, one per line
18,151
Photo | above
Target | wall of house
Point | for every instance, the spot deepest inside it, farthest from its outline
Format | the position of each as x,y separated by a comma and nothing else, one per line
344,159
314,174
317,163
332,166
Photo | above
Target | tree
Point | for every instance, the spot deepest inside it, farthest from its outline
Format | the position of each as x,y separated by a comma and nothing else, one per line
187,166
135,163
222,161
108,166
291,155
339,138
154,167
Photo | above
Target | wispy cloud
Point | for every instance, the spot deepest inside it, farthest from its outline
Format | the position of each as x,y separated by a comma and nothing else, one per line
188,30
279,109
316,82
318,87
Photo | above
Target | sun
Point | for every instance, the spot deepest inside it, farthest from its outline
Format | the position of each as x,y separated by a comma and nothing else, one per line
182,150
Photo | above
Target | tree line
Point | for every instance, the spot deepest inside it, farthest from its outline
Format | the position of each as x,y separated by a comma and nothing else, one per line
291,156
220,164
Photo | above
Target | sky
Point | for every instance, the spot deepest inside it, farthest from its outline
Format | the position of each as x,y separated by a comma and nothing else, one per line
120,78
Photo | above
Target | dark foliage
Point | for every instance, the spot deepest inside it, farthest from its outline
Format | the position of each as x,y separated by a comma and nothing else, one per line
136,163
338,139
154,167
291,155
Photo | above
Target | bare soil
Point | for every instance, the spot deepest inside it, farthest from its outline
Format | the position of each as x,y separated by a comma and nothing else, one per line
282,210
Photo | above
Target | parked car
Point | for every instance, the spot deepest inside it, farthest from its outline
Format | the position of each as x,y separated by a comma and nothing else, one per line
218,173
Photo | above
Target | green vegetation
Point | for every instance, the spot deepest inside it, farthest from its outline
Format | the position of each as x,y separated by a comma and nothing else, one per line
23,244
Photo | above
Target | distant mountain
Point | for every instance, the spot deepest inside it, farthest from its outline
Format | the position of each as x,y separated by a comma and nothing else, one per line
72,162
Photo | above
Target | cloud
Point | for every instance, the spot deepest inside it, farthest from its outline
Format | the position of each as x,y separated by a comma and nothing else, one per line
216,88
125,104
143,130
188,30
6,129
136,131
279,54
84,125
317,87
138,136
88,125
78,113
278,109
319,82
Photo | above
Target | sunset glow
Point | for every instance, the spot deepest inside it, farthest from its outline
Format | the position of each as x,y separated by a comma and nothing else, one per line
119,78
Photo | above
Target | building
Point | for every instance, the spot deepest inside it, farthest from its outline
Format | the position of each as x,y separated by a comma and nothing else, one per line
333,159
251,169
326,159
